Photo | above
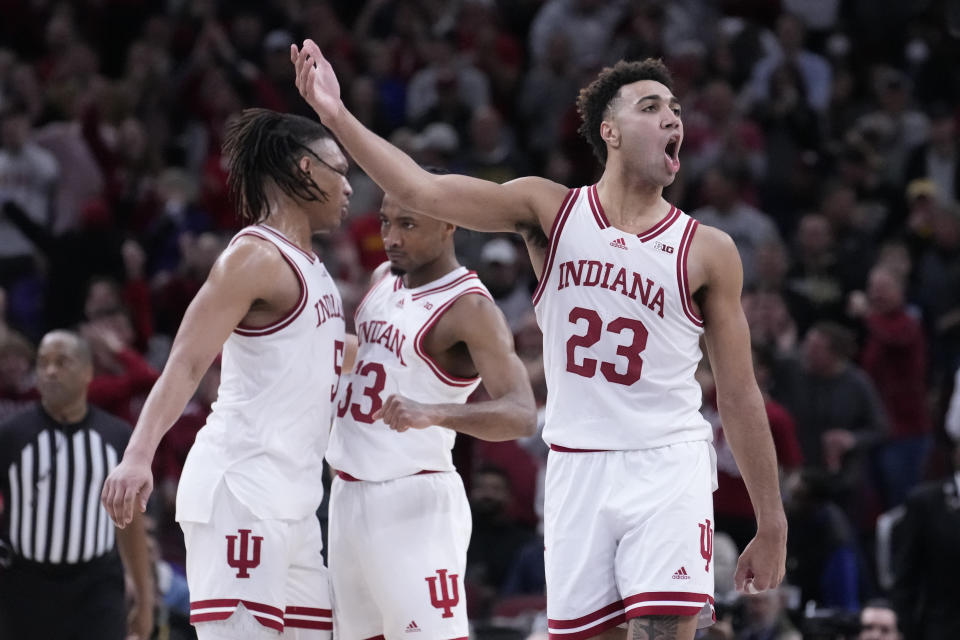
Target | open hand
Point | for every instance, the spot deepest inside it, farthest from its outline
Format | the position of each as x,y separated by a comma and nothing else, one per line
316,80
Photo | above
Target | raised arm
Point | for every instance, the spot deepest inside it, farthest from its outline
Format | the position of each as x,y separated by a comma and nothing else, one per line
480,204
246,272
511,411
741,408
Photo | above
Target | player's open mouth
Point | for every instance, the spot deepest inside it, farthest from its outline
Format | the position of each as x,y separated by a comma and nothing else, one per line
672,152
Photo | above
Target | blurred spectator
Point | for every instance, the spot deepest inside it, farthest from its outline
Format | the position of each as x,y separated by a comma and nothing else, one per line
493,150
837,408
499,272
952,420
588,24
28,179
447,88
938,289
173,293
766,617
725,209
717,133
17,386
771,327
548,91
495,542
939,158
878,621
926,555
789,48
856,245
823,557
895,357
814,289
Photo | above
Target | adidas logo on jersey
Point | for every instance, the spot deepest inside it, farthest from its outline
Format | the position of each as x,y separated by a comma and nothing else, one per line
681,574
400,303
619,243
412,627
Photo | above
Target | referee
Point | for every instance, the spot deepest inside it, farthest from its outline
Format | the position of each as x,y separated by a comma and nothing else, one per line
60,574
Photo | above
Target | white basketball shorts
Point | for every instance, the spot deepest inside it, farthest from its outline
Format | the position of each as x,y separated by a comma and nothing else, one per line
628,534
398,552
272,568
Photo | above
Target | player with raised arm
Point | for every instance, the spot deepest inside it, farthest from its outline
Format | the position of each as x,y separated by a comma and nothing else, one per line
628,285
251,484
428,331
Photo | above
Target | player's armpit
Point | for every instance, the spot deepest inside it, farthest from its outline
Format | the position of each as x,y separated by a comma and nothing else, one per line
511,412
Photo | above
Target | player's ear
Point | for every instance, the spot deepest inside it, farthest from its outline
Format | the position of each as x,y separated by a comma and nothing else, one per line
610,133
305,163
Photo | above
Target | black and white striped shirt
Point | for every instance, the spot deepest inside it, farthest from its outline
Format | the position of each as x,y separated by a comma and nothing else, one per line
52,475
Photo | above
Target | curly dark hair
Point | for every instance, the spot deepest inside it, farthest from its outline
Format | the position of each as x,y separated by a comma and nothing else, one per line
262,145
595,99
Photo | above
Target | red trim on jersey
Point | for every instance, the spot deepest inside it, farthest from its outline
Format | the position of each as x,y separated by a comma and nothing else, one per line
597,625
398,284
254,607
250,331
562,214
282,238
363,300
445,287
598,213
452,380
557,447
686,299
661,226
343,475
696,600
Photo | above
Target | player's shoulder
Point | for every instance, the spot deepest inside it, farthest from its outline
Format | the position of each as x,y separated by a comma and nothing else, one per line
471,311
249,257
714,246
544,196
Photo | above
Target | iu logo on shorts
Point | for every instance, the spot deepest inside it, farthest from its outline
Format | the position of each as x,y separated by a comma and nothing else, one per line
706,543
241,561
444,600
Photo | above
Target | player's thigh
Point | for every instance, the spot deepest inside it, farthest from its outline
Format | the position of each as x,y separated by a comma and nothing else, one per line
236,561
355,613
664,558
580,545
420,530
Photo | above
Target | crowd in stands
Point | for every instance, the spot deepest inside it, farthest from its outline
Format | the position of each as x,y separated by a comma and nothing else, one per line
821,136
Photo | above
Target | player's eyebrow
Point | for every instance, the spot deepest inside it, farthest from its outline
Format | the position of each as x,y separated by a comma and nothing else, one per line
657,98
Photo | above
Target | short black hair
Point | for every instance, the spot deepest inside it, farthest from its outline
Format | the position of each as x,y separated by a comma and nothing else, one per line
262,145
596,98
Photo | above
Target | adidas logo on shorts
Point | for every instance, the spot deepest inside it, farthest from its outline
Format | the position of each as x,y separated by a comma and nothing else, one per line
619,243
412,627
681,574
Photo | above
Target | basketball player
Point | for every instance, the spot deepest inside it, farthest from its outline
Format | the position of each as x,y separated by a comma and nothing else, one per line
628,285
400,523
252,481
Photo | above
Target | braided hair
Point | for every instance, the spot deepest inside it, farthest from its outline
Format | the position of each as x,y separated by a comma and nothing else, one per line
262,145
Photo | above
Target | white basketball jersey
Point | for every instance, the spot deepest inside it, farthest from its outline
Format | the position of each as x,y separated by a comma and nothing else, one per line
620,335
391,324
269,427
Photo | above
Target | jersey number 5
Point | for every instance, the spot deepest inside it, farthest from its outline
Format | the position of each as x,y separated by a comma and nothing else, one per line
631,352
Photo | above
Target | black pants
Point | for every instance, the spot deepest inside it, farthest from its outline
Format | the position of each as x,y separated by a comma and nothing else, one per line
67,602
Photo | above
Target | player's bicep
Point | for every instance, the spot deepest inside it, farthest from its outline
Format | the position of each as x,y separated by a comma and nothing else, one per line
725,326
237,279
482,205
484,330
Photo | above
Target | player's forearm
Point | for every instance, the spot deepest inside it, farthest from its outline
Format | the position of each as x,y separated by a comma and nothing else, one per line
507,418
747,431
135,554
163,407
392,169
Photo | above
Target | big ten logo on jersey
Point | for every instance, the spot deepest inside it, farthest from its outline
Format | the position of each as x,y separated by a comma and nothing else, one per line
666,248
443,597
328,306
243,558
592,273
383,333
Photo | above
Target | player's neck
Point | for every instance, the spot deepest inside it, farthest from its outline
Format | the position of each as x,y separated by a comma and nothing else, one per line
630,204
427,273
292,224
